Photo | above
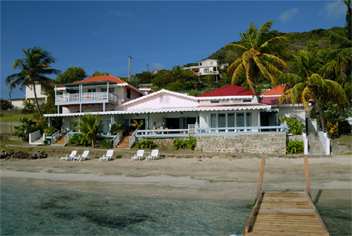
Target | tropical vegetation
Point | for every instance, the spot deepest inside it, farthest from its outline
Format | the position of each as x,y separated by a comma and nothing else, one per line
34,68
90,127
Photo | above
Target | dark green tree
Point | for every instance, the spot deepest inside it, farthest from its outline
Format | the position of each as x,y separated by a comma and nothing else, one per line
71,75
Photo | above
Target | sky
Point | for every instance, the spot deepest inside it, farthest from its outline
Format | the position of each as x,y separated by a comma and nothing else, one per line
99,36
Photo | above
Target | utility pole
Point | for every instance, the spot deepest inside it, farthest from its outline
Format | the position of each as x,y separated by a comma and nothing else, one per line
130,58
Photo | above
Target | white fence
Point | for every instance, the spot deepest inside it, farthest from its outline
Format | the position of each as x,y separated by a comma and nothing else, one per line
174,133
35,138
305,143
325,142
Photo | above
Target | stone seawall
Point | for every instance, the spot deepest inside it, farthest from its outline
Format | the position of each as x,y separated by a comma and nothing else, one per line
266,143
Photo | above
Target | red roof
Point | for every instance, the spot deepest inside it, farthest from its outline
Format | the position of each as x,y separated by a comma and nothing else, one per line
228,90
271,96
101,78
277,90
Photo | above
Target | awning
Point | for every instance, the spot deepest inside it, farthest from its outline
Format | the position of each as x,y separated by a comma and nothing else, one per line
167,110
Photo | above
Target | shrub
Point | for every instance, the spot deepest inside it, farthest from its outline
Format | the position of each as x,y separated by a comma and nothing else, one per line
146,143
295,146
76,139
106,143
188,143
295,126
27,126
5,105
28,106
49,131
116,128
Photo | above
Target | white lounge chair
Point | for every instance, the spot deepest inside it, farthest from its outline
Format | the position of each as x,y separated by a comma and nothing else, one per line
153,155
70,157
139,155
84,156
107,156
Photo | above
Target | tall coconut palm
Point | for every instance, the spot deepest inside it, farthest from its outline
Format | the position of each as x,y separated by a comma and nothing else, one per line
90,127
315,88
257,57
33,68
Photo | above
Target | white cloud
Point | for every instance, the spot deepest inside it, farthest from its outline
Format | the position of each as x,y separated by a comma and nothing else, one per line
288,14
335,8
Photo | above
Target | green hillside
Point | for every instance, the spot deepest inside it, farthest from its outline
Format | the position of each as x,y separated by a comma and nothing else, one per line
318,38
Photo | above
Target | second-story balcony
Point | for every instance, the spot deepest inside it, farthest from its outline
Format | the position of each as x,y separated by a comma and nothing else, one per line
85,98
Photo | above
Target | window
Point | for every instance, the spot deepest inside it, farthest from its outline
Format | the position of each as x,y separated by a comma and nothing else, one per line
91,90
214,101
222,120
206,70
246,100
128,93
214,68
248,119
231,120
240,119
103,89
212,120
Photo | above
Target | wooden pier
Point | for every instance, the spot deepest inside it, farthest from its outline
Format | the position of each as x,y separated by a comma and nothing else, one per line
284,213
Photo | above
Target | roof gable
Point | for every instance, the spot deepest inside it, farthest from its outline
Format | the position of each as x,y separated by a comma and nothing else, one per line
163,99
227,90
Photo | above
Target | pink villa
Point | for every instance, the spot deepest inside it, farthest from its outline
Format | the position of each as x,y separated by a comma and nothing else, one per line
219,118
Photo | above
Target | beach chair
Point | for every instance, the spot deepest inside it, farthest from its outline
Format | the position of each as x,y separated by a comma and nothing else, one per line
84,156
70,157
139,155
154,155
107,156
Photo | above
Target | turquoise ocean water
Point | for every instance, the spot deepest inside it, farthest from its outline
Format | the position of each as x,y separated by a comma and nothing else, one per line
27,209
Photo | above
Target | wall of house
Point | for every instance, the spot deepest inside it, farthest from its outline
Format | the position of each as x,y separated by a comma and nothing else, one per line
39,90
264,143
160,102
17,103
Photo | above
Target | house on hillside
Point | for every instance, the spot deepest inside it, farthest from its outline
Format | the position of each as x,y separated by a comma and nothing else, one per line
216,117
205,67
29,95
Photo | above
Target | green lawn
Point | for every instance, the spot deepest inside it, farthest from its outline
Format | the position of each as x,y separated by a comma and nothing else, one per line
13,116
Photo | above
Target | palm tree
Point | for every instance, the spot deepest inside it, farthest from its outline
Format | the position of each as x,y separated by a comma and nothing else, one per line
34,68
257,57
315,89
89,126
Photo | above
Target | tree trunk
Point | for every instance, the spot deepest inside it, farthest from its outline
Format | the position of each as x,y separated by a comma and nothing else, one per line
320,114
93,142
36,99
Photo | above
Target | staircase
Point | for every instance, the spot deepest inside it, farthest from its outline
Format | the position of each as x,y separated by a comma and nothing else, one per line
124,142
61,141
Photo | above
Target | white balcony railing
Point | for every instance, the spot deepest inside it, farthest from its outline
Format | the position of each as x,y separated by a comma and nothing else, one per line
174,133
91,97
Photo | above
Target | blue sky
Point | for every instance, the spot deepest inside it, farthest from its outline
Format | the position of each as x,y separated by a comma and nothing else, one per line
101,35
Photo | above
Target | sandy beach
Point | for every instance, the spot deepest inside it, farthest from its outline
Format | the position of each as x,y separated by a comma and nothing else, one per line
214,178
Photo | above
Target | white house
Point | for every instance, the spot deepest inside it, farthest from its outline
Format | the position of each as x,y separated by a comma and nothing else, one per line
29,95
228,111
205,67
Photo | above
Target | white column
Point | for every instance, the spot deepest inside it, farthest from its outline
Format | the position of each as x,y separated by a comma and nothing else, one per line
107,91
80,97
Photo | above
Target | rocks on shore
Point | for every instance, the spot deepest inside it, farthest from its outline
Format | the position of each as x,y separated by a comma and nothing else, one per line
22,155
